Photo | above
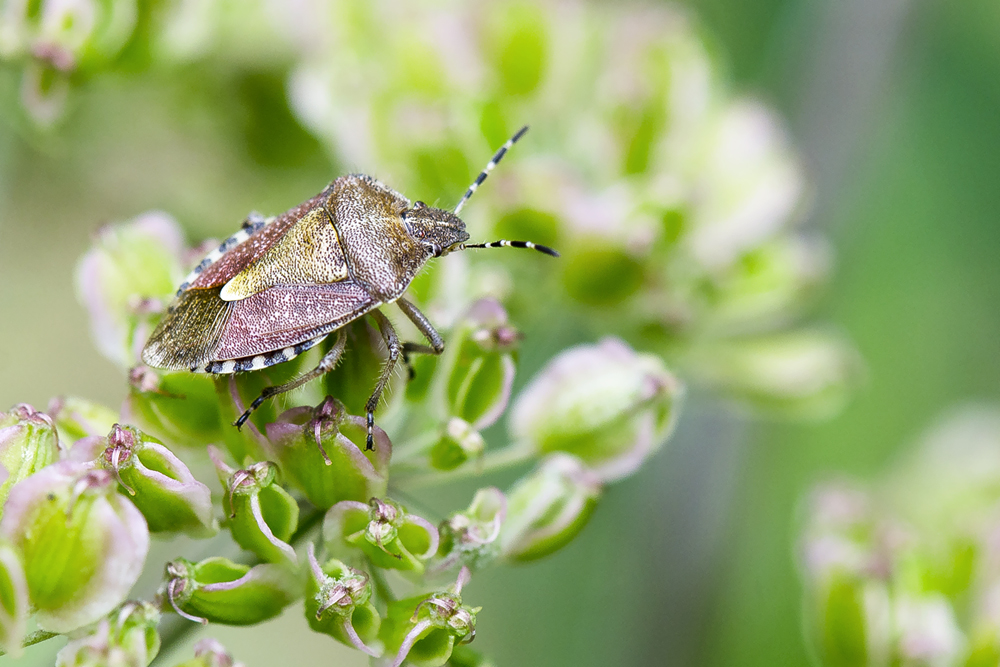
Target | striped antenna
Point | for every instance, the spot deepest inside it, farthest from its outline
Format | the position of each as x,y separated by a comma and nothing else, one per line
513,244
486,172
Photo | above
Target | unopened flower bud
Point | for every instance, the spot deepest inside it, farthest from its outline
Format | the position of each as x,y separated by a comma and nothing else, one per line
321,451
262,515
338,603
546,509
83,543
159,483
28,442
851,621
14,602
470,538
131,269
77,418
126,638
218,590
767,285
179,408
806,373
459,443
481,371
425,630
209,652
390,536
603,403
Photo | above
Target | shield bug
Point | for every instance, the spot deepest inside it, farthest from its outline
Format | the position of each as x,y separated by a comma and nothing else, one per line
280,285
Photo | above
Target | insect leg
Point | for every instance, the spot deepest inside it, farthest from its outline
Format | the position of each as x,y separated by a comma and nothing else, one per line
426,328
326,364
395,349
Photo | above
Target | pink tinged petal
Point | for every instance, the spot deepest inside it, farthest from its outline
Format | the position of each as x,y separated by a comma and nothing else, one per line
411,638
490,417
87,449
283,547
107,330
352,636
314,566
432,534
180,481
15,608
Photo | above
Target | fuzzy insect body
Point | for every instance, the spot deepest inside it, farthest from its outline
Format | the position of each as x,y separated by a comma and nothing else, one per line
279,286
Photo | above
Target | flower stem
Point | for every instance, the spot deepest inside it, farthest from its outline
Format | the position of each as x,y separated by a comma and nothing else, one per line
500,459
36,637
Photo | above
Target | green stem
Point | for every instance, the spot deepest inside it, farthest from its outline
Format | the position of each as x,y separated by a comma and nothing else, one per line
382,587
500,459
36,637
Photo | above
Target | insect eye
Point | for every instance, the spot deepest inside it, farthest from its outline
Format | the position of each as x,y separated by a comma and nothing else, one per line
419,204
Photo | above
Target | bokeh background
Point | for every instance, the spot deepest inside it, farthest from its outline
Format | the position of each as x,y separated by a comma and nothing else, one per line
894,106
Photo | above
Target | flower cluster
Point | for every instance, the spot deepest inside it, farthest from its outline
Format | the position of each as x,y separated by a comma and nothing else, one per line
905,571
309,510
674,203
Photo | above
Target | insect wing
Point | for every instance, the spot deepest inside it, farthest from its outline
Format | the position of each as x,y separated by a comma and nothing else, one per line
287,315
187,337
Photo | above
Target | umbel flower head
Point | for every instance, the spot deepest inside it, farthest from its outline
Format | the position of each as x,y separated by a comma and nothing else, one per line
905,570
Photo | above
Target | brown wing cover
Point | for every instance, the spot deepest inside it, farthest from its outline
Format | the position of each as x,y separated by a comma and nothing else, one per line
237,259
287,315
188,335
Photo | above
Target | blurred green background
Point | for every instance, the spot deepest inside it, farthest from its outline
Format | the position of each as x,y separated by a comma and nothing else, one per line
896,108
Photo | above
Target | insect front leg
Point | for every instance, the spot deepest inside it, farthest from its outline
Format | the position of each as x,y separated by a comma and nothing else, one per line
326,364
395,350
425,327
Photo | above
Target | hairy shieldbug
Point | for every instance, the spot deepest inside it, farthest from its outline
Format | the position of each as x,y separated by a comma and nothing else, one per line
281,285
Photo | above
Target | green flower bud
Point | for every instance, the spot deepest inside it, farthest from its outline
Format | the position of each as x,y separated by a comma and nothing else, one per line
384,531
804,374
28,442
338,603
470,538
126,278
464,655
77,418
767,284
14,602
851,621
218,590
603,403
321,451
459,443
179,408
546,509
481,372
159,483
127,638
424,630
83,544
262,515
210,653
